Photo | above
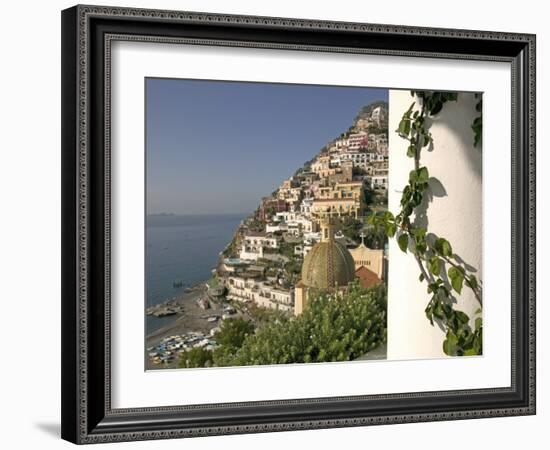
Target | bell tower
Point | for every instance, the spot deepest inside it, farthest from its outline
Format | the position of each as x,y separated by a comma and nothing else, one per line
327,229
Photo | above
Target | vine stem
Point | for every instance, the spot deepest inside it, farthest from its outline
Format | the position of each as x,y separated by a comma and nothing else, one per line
418,145
427,276
457,266
460,338
418,149
417,166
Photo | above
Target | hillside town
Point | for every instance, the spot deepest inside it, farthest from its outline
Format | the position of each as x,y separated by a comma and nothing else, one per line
345,180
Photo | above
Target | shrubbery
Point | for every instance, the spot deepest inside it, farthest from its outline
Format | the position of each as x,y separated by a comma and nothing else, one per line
334,327
196,357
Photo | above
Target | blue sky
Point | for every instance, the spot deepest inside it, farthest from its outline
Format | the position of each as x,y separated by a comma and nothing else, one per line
215,147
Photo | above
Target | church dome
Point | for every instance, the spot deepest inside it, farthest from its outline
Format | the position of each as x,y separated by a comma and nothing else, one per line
328,264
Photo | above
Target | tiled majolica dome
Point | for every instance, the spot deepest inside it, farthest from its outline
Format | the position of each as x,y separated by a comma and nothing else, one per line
328,264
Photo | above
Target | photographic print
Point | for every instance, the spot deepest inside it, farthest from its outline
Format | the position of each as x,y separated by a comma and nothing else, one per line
284,223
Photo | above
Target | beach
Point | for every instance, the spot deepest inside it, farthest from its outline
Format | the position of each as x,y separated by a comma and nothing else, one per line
192,319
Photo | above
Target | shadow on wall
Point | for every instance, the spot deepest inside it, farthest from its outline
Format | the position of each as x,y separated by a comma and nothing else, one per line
457,120
451,208
435,190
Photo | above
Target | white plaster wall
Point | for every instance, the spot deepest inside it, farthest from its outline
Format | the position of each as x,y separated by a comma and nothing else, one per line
455,212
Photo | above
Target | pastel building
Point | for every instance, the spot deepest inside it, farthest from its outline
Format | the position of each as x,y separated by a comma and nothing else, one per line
251,290
336,207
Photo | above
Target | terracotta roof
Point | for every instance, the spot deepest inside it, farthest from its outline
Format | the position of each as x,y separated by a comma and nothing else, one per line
367,277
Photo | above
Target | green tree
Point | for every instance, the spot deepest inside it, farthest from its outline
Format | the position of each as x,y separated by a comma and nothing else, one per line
262,316
375,238
230,338
351,227
293,269
231,249
195,357
233,332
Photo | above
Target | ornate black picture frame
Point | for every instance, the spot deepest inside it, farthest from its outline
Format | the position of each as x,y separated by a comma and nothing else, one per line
87,33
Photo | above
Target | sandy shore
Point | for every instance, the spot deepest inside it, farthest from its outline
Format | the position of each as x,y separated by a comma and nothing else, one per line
193,318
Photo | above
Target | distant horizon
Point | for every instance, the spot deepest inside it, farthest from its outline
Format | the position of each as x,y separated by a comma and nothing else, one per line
219,147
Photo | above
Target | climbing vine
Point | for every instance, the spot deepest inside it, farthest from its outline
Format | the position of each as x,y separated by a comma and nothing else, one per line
477,123
444,272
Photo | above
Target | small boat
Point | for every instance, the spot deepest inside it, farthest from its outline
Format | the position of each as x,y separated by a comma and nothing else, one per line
164,312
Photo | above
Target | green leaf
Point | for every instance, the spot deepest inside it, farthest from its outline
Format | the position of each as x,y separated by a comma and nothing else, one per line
423,175
434,265
451,96
404,126
448,309
430,312
477,127
408,112
447,348
427,138
457,278
446,248
438,311
411,151
472,281
403,242
407,127
419,233
450,344
433,287
462,317
421,277
421,247
391,229
452,272
443,247
478,323
436,108
401,127
417,198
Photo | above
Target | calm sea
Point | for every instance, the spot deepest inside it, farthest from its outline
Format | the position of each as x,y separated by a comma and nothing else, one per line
184,248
